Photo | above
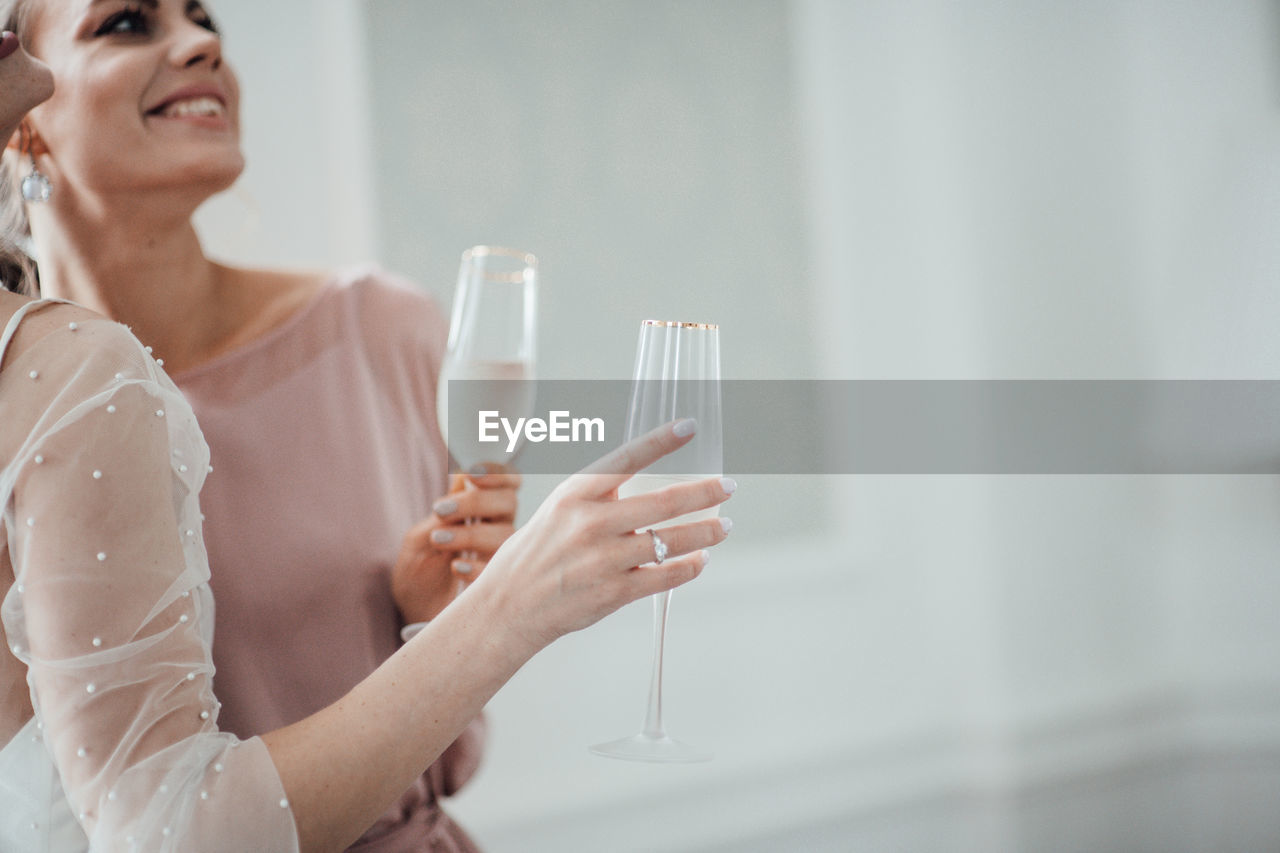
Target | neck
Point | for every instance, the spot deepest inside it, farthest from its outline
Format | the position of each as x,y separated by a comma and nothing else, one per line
144,270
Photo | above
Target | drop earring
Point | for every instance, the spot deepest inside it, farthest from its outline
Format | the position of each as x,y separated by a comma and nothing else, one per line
35,186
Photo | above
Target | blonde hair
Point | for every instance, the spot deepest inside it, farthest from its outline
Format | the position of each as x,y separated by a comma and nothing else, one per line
17,268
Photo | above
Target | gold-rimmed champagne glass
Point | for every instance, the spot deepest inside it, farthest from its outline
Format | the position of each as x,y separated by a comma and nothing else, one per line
677,375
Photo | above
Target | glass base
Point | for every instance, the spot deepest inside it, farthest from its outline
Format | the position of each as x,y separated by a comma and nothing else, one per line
643,747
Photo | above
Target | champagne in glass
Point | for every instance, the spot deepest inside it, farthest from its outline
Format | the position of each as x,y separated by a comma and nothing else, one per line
502,386
491,345
677,375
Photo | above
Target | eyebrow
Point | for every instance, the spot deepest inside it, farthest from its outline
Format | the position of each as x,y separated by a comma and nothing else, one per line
150,4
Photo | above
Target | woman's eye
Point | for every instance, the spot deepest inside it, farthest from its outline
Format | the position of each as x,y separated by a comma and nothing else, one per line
200,17
125,22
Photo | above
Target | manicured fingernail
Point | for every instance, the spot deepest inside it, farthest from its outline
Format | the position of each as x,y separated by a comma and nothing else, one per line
478,470
706,557
461,567
445,507
728,484
685,427
726,524
440,537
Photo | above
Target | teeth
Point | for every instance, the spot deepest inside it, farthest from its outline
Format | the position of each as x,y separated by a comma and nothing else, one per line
202,106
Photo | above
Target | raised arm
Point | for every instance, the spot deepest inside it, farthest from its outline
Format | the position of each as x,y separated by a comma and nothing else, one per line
575,561
112,613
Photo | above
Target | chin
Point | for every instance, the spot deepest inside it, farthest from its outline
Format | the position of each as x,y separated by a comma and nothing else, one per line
213,174
224,177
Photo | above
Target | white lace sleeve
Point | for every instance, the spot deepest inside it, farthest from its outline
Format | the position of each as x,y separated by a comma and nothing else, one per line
110,609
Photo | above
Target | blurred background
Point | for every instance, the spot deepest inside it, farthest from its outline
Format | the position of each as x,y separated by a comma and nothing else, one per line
863,189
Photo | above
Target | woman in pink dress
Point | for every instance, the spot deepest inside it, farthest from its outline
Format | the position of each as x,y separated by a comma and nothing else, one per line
109,726
329,525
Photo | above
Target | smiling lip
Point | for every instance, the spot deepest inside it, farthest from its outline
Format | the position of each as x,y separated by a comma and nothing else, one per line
8,44
186,94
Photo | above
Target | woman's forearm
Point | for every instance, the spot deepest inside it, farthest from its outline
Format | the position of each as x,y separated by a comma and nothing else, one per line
343,766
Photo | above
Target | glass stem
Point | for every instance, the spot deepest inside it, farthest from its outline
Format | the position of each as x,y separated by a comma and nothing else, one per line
653,715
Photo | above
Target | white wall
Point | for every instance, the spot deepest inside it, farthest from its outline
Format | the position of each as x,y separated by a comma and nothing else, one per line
307,196
991,190
1054,190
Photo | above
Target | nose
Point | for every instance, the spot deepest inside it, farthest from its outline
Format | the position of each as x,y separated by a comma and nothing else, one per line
194,44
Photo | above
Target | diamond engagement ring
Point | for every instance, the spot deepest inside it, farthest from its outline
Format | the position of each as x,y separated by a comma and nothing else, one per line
659,548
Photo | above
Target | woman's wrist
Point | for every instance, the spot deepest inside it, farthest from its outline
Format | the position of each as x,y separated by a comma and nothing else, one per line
502,608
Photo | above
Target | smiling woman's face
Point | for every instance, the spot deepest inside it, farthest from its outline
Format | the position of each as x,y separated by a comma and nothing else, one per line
144,99
24,82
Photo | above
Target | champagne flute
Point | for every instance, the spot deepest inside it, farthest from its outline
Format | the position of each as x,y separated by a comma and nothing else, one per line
491,344
677,375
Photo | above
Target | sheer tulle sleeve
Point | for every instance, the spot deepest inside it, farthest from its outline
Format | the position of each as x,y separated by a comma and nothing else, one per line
111,611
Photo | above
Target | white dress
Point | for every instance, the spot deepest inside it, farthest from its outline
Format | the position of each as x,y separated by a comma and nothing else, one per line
106,611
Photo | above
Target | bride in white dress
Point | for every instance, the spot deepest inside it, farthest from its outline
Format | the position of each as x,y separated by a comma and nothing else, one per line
107,618
108,723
